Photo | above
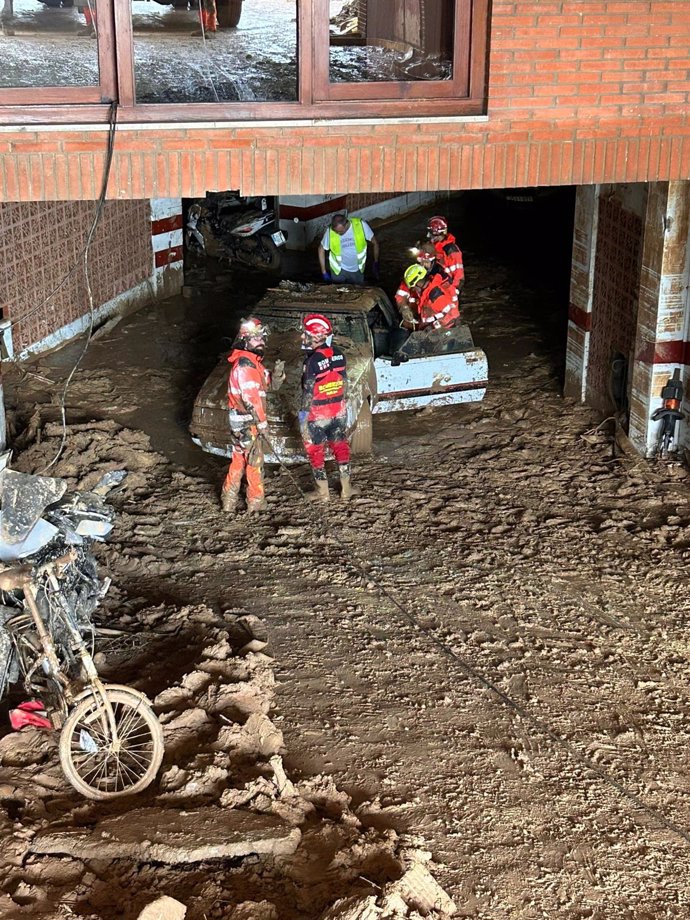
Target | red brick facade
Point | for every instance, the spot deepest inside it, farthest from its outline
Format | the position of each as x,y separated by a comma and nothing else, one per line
42,286
579,92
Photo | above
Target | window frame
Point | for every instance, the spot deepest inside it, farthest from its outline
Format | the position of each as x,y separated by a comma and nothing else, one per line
456,87
101,93
117,82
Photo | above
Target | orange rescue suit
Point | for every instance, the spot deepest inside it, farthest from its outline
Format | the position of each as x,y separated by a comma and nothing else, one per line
449,257
248,381
438,303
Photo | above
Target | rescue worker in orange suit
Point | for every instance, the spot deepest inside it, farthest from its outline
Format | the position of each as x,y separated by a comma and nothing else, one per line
437,303
88,10
448,254
323,414
248,382
208,17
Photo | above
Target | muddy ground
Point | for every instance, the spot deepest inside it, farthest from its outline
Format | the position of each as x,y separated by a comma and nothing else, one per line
486,652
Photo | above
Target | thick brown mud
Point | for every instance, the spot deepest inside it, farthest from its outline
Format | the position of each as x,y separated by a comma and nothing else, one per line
484,656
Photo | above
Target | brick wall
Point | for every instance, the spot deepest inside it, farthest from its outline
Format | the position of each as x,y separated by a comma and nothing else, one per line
579,92
41,243
614,295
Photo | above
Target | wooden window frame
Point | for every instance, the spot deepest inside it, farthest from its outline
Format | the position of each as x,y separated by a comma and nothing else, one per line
105,91
464,95
457,87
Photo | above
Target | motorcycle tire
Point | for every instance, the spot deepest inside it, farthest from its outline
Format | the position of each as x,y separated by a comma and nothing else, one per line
272,254
86,757
228,12
363,436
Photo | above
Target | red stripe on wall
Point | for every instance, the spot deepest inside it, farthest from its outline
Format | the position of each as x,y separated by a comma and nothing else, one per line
166,256
581,318
166,224
289,212
676,352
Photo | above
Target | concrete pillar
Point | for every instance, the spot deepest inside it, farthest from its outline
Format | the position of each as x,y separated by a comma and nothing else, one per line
581,289
661,342
167,240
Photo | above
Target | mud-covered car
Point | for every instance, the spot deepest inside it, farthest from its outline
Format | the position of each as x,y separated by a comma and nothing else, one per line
387,369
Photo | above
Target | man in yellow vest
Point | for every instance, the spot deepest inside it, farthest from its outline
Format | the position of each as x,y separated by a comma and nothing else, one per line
346,241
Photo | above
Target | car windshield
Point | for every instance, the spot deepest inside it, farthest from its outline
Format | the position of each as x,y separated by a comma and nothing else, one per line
347,325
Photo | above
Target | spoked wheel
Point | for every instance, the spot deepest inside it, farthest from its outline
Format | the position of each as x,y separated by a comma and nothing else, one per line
102,764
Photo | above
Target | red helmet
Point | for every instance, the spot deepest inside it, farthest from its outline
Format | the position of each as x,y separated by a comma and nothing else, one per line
427,253
251,328
437,224
317,324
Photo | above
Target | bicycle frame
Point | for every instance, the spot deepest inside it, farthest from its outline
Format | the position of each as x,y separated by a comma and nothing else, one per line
24,580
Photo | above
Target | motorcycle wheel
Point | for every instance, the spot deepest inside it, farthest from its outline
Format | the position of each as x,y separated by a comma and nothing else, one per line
270,260
228,12
87,757
363,436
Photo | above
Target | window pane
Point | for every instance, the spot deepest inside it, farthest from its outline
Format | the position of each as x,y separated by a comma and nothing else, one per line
225,51
373,41
47,43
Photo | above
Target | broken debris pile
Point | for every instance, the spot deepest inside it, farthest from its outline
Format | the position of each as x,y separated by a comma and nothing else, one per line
226,831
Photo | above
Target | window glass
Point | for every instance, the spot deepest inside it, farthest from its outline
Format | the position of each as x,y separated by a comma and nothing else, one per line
47,43
215,50
391,41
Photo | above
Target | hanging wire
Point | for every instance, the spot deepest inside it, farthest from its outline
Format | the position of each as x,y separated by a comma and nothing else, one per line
208,56
85,264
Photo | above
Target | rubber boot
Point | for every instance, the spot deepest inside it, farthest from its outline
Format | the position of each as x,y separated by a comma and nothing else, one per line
345,485
321,493
228,500
259,504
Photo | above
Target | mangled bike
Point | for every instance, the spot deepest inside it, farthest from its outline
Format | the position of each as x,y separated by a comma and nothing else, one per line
111,743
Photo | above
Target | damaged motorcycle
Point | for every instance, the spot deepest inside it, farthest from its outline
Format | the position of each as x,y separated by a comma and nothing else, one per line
235,229
111,742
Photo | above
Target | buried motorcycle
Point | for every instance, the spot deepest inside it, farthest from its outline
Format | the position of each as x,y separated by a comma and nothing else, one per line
235,229
111,743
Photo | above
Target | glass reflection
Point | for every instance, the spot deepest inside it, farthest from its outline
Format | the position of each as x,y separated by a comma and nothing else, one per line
215,50
46,43
374,41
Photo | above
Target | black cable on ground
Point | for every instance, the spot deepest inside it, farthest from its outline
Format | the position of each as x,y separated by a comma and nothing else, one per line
363,568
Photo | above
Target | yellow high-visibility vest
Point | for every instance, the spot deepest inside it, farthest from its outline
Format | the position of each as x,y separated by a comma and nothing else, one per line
335,258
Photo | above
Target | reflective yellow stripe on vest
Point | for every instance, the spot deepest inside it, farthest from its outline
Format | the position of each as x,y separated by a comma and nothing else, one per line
335,257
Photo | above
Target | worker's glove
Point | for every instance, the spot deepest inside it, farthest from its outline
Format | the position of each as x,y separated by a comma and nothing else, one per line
376,271
409,324
302,419
262,426
326,277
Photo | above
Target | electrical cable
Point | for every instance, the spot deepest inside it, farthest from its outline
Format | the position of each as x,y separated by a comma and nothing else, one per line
85,263
362,566
203,35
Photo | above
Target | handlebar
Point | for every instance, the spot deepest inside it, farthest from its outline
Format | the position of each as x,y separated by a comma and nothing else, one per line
21,575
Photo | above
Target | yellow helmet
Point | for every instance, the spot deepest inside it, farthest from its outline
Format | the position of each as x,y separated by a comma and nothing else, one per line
414,274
